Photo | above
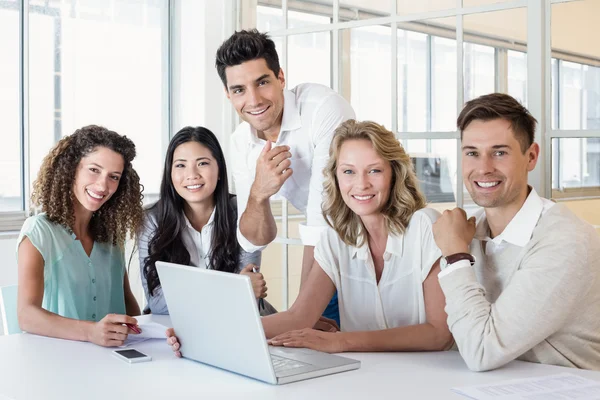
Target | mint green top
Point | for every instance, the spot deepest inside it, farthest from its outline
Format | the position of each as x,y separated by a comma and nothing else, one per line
75,285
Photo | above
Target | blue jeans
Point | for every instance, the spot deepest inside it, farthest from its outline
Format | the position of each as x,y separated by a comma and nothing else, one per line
332,311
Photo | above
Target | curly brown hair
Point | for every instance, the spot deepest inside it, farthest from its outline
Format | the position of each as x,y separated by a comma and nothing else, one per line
53,188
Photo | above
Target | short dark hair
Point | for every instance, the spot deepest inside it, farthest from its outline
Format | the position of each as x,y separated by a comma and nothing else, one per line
500,106
245,46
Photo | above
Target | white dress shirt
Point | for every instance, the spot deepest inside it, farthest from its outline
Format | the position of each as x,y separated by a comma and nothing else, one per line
311,113
517,232
398,299
198,245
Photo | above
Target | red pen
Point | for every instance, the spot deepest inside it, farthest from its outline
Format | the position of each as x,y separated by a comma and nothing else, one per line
134,328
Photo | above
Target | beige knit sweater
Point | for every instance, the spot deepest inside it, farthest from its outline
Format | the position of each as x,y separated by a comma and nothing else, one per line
538,303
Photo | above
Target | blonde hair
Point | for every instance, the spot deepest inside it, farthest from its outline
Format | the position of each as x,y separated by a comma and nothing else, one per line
405,197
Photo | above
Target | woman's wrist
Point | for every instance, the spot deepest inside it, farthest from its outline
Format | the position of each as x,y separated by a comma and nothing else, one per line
85,330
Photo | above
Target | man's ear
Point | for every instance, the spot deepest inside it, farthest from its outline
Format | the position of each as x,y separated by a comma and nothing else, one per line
226,92
281,77
533,153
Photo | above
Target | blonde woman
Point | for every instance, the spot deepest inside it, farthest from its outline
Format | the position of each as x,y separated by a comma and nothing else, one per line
379,253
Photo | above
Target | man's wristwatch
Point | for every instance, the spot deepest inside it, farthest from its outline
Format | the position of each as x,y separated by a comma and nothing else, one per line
452,258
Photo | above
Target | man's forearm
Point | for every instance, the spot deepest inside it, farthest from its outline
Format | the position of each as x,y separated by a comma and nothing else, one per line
257,223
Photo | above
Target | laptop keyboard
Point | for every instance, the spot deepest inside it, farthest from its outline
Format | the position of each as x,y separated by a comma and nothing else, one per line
285,364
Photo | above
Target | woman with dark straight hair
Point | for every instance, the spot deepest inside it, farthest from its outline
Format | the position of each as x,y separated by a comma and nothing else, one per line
195,220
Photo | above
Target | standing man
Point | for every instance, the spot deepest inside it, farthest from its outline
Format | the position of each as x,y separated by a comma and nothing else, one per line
281,148
521,277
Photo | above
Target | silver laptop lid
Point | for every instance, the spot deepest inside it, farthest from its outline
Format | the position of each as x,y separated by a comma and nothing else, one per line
216,319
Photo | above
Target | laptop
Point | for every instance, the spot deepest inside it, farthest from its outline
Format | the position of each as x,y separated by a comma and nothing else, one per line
216,320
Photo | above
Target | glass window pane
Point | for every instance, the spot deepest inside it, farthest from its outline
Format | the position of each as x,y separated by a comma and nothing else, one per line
309,59
435,165
269,19
444,83
10,151
413,112
306,13
573,34
485,34
367,77
517,75
479,70
576,164
102,63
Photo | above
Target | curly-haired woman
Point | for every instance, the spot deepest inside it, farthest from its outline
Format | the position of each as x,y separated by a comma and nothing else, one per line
378,252
72,278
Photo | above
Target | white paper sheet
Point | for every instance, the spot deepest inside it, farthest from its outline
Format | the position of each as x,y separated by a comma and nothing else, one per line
550,387
150,330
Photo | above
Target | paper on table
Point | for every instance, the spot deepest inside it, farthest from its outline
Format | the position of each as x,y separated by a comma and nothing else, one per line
150,330
550,387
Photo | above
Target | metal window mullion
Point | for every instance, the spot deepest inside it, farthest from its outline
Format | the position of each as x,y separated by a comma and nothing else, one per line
459,103
547,132
335,51
501,65
284,254
284,39
581,98
428,87
405,49
24,101
591,133
168,129
394,71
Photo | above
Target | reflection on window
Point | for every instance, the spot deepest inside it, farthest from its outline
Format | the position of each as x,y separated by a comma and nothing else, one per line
434,161
10,151
98,62
576,163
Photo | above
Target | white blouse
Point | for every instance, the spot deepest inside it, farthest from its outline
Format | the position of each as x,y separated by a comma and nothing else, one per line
398,298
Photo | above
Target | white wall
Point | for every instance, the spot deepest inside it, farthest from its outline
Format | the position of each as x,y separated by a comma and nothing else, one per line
8,267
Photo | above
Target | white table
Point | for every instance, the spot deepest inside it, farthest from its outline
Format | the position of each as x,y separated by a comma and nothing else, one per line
35,367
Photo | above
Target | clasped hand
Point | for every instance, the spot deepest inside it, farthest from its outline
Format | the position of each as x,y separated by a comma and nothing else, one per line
272,170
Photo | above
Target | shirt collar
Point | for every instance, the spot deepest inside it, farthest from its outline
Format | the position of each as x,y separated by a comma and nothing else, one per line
393,246
211,219
520,228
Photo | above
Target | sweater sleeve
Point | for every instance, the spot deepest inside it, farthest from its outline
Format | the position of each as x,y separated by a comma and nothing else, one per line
553,276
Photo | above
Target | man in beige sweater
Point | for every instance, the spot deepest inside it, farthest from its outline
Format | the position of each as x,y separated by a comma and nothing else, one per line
521,276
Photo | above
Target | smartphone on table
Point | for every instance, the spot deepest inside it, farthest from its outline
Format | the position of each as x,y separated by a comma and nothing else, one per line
131,355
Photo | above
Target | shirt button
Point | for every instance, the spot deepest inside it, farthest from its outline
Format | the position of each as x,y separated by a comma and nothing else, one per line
94,298
90,263
93,316
93,280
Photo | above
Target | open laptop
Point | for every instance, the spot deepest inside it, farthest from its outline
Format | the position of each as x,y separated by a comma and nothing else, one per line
217,323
